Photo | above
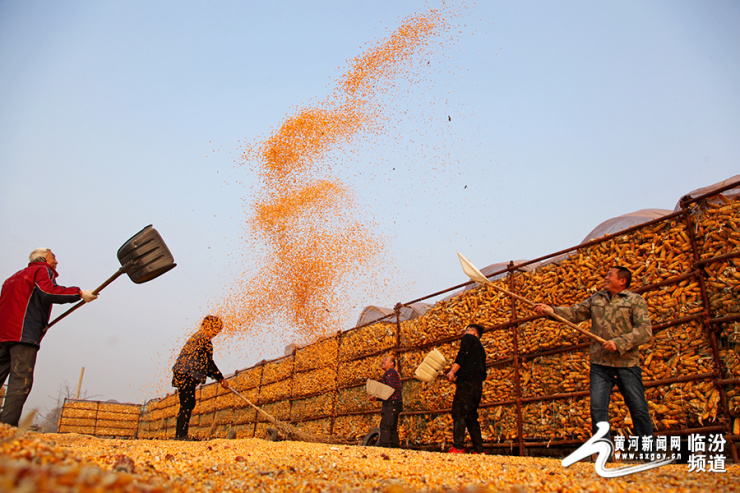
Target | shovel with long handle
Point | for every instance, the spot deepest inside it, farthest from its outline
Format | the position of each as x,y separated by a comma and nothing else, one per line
474,274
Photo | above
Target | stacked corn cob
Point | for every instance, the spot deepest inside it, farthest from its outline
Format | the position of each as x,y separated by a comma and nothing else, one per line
99,418
718,233
540,360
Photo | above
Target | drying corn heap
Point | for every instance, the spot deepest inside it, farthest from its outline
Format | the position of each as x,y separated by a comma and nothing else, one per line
686,265
64,463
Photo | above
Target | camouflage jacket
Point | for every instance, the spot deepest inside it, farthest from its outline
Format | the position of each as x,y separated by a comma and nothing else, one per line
622,317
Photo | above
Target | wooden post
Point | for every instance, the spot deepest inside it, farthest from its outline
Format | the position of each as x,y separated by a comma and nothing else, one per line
79,385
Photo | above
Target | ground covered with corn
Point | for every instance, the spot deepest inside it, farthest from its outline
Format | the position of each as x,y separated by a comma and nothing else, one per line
36,462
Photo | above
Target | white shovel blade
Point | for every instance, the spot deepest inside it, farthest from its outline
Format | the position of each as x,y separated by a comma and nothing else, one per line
471,271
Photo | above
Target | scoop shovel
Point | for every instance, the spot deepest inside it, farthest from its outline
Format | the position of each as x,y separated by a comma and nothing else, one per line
474,274
143,257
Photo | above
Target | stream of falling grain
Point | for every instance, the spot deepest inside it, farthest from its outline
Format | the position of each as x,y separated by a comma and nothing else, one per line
303,219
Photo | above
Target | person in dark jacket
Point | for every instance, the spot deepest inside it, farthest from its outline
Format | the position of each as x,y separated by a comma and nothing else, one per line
25,308
193,365
468,372
392,406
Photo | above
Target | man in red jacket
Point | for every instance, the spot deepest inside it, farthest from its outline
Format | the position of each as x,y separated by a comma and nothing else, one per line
25,308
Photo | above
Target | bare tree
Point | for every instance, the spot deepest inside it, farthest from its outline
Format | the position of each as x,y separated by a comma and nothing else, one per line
48,421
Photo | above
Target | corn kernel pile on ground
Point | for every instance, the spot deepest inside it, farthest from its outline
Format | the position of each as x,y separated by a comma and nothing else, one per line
37,462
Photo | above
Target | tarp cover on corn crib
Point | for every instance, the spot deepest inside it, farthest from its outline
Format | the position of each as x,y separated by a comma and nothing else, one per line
387,315
701,191
625,221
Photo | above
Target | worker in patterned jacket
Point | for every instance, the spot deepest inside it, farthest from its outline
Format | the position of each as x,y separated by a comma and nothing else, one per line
621,318
193,365
25,308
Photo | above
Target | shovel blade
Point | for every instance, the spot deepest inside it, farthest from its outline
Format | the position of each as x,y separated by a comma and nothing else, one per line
471,271
145,256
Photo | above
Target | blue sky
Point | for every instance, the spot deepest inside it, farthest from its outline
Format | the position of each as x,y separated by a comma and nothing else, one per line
531,123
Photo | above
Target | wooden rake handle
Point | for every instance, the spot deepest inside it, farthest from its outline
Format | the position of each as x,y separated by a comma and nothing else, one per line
288,429
257,408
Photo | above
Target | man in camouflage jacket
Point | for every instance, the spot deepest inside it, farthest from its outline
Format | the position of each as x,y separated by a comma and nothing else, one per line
621,318
192,366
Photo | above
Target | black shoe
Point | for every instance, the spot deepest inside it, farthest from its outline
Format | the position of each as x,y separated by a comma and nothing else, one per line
183,439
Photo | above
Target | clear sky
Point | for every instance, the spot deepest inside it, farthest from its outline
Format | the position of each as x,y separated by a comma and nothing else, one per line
534,122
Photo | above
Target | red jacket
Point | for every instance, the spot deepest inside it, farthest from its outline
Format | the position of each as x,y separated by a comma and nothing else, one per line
25,302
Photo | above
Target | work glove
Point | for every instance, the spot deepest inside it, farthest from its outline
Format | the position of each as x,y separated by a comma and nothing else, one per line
88,295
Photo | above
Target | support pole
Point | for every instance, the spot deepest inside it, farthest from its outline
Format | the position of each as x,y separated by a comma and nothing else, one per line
79,384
